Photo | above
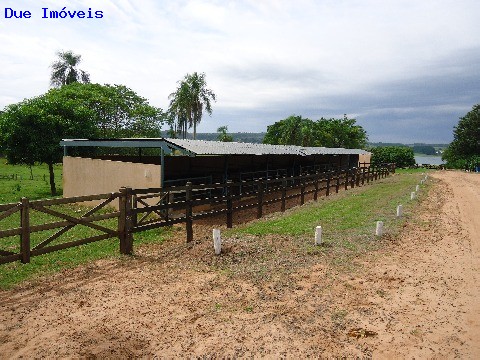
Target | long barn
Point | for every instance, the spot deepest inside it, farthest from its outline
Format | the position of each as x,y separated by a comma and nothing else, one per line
174,162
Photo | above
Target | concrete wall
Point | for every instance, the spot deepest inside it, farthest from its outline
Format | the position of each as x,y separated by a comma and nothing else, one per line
365,158
85,176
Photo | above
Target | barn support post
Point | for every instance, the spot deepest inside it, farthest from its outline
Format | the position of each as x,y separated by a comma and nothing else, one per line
284,193
346,179
188,212
315,194
25,235
162,167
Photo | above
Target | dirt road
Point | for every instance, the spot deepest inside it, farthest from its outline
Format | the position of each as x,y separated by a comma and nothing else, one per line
417,297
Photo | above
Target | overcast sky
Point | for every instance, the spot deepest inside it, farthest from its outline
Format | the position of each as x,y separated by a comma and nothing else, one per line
406,70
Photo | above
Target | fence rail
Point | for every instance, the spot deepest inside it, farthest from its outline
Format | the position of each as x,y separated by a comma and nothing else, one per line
145,209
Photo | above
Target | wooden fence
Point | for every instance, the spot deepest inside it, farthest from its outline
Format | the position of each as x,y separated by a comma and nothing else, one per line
145,209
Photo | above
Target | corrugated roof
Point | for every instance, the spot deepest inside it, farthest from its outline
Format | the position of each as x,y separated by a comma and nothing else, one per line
203,147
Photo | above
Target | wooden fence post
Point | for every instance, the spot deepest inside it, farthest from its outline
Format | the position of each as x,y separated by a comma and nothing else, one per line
368,173
357,176
284,193
363,176
337,186
328,184
315,194
25,235
125,221
302,191
259,199
354,176
346,179
188,212
135,206
229,205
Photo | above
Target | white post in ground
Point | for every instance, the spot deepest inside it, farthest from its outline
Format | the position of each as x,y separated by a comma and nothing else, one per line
399,211
379,229
422,181
217,242
417,188
412,195
318,235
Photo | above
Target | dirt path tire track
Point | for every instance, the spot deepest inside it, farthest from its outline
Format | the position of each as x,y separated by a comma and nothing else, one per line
420,295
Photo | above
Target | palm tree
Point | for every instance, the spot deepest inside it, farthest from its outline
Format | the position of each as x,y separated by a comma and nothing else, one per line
189,101
64,70
180,108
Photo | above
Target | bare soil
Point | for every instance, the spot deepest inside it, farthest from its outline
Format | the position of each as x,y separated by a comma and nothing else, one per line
416,297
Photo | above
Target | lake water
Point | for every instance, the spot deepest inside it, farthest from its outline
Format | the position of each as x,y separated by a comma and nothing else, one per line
432,160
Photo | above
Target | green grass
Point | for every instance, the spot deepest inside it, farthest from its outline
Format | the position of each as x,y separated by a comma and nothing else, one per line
348,219
12,190
38,188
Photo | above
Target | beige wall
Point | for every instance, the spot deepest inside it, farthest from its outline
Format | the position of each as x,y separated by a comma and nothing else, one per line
364,158
84,176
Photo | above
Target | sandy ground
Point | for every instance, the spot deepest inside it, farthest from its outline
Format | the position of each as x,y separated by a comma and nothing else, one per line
418,297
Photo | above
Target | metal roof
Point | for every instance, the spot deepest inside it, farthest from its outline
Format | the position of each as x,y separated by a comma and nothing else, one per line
202,147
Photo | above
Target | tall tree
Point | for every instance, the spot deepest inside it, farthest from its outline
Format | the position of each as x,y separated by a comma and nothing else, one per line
65,71
464,150
190,100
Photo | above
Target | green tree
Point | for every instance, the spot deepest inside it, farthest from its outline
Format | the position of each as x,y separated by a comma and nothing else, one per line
30,131
189,101
116,110
65,71
296,130
343,133
223,134
464,150
402,156
424,149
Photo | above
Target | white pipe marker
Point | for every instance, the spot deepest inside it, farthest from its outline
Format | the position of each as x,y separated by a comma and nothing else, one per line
412,195
217,242
318,235
417,188
399,210
379,229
